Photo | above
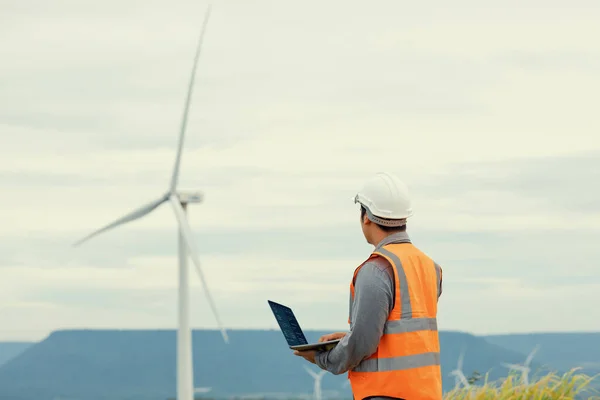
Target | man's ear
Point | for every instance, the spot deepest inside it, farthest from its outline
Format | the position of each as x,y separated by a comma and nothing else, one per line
366,219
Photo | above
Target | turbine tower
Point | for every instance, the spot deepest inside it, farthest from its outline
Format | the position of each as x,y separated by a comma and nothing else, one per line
317,377
524,369
179,201
459,376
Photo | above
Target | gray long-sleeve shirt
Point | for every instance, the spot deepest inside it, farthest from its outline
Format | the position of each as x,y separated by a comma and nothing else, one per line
373,301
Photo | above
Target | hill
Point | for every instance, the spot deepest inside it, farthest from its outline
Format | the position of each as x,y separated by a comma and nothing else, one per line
135,365
9,350
560,350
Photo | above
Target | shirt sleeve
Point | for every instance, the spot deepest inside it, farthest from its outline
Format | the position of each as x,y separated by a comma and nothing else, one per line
439,273
373,300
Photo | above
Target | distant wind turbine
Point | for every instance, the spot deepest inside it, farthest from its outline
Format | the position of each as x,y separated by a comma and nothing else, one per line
459,376
317,377
524,369
179,201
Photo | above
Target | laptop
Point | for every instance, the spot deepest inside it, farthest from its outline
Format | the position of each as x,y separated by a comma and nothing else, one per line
293,333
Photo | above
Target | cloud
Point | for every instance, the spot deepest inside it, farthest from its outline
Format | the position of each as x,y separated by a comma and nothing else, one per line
488,113
559,185
527,193
567,60
504,248
145,296
88,296
128,279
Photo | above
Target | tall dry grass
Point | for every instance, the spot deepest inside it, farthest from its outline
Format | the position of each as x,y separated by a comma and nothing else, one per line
571,385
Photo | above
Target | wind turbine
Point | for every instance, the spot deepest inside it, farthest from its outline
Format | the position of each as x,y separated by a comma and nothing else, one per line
202,389
317,377
525,367
179,201
459,376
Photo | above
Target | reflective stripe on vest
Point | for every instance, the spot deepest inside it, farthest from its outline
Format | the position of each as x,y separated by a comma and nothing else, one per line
398,363
406,364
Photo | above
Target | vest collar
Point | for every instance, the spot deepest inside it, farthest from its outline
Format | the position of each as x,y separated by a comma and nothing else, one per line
398,237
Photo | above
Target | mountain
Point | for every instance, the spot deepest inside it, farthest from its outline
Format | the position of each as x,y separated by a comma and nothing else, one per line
559,350
9,350
136,364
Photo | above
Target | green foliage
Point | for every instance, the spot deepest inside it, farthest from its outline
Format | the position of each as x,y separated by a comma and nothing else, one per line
474,378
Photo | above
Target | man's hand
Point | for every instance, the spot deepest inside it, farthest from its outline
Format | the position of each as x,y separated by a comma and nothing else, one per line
332,336
309,355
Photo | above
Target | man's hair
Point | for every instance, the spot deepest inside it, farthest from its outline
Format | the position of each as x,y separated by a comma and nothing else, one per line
384,228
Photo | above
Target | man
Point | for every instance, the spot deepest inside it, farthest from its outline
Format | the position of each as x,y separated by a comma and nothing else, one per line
392,349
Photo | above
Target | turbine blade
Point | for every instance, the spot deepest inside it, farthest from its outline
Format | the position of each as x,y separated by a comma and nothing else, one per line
456,381
187,235
464,380
460,360
310,371
133,215
530,356
186,108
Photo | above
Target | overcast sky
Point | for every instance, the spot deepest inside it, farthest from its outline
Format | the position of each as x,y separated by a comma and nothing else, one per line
488,114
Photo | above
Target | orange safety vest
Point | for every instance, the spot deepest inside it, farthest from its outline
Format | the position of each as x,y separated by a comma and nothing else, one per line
406,364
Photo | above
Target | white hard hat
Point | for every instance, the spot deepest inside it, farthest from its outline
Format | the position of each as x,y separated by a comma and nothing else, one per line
385,196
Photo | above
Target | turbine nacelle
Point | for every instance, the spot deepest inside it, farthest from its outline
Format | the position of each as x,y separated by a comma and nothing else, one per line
515,367
459,376
190,196
524,368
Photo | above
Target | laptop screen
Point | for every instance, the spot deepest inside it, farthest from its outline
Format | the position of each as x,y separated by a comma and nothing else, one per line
288,324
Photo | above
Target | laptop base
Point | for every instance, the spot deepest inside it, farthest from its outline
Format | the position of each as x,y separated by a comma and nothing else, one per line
322,346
